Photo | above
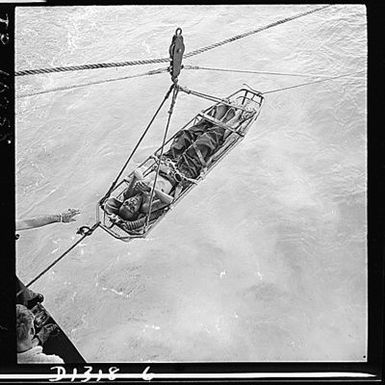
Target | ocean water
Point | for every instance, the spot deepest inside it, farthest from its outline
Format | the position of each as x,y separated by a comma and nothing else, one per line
266,260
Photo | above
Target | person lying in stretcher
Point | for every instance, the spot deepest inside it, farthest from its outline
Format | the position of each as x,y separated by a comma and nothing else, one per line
188,153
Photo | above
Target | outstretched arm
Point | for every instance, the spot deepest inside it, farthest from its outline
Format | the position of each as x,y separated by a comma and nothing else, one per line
31,223
130,190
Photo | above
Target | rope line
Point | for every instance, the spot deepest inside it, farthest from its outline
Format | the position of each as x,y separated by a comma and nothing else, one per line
188,67
313,82
96,225
66,88
173,100
137,145
91,66
165,60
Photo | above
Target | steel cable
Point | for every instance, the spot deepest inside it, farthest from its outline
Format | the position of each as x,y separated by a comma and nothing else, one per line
313,82
65,88
90,231
173,100
189,67
137,145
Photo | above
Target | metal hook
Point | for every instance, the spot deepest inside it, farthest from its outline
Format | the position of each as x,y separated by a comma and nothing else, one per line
84,230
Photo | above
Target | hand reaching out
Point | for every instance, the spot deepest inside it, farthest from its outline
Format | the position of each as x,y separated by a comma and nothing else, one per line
68,216
43,220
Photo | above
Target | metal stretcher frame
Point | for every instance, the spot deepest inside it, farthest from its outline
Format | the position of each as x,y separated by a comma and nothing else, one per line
230,142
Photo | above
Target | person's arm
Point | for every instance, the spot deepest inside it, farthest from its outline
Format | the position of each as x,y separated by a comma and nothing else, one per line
31,223
156,205
161,199
165,198
145,188
130,190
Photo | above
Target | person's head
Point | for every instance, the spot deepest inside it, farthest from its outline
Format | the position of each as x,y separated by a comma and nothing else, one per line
129,210
25,330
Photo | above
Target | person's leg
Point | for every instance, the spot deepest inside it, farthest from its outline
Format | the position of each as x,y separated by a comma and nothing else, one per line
198,153
184,138
219,111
